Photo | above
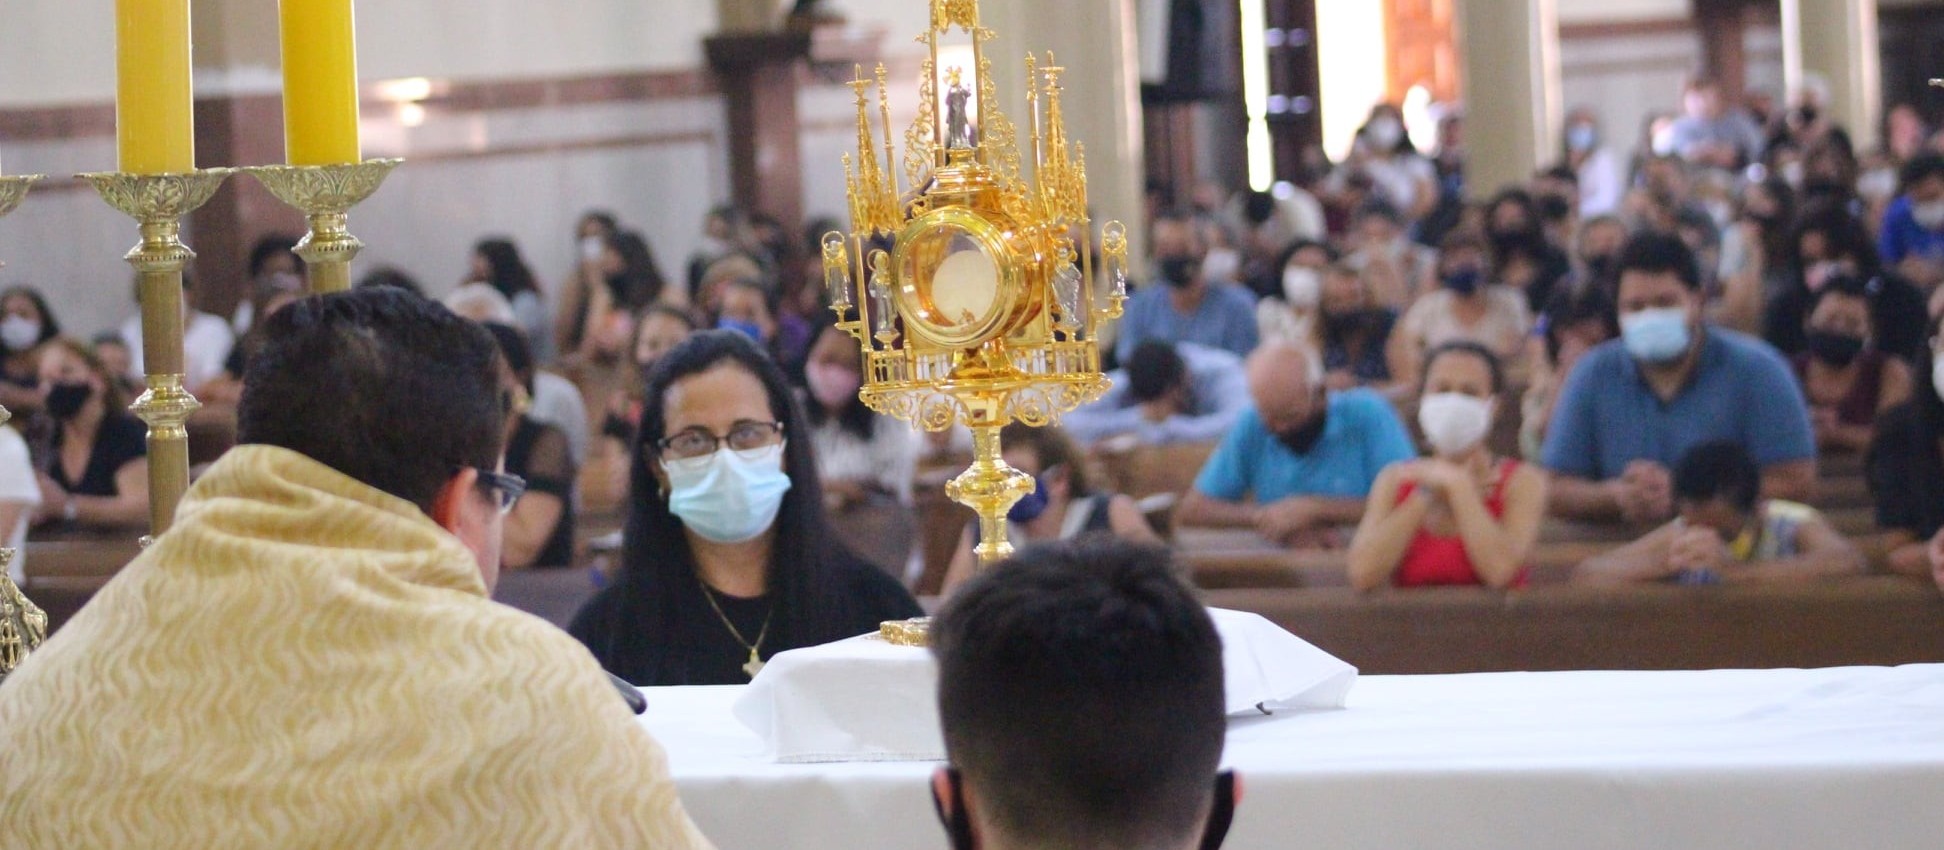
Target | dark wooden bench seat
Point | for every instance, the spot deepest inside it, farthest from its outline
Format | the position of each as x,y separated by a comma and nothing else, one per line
1859,621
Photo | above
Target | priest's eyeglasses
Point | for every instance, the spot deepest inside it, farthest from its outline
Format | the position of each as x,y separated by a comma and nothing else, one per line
745,436
506,489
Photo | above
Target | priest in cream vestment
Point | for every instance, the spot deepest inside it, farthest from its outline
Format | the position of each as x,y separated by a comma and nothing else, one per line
309,660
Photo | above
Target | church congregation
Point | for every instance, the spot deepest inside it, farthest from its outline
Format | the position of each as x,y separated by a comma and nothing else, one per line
1425,393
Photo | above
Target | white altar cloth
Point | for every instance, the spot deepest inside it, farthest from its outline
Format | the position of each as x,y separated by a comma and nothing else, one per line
1849,758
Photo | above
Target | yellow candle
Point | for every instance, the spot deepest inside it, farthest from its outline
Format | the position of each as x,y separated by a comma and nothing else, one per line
153,122
320,67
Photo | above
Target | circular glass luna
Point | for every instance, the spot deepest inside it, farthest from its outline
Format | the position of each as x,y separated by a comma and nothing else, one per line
956,285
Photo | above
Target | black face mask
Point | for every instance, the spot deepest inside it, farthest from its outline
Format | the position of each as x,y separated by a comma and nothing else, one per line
1838,350
1598,266
1178,271
958,823
1302,438
1352,322
66,399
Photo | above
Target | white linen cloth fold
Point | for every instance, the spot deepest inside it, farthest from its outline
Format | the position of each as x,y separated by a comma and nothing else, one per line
863,699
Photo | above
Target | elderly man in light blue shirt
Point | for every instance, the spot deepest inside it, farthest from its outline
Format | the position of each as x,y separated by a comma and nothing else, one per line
1167,393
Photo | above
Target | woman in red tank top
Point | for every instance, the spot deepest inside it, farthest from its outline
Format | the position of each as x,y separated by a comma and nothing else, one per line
1461,516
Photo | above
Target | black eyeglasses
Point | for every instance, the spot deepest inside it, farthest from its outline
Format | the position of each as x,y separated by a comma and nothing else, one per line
506,488
744,436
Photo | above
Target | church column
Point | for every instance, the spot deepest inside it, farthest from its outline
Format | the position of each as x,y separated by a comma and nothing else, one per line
239,121
1096,44
1509,68
1837,41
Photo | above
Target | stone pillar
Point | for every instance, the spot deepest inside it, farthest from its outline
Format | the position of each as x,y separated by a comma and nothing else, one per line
1837,40
1509,68
1096,43
239,121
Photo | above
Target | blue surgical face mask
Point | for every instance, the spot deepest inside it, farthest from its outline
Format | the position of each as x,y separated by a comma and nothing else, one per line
1030,506
748,329
729,496
1656,336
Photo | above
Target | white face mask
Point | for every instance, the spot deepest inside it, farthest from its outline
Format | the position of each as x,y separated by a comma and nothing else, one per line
729,496
1221,265
1454,422
591,248
1877,184
19,333
1302,287
1929,216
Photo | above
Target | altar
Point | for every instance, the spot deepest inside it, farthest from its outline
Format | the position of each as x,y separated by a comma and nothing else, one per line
1832,758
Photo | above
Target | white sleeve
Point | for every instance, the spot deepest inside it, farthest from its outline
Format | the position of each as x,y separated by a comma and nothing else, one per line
17,482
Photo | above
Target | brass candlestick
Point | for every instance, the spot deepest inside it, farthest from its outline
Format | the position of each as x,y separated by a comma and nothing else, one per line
158,202
22,624
975,294
325,195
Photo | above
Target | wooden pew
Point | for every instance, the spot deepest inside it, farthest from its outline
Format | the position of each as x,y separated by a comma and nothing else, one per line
1875,620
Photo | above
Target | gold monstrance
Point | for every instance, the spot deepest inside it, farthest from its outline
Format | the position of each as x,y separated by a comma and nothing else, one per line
974,297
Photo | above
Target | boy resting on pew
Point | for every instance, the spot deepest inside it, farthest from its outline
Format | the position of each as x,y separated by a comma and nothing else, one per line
1725,533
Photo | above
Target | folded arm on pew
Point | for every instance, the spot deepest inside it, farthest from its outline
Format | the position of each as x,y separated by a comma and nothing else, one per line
1279,521
129,507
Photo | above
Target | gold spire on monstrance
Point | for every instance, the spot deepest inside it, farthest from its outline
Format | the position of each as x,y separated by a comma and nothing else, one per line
974,297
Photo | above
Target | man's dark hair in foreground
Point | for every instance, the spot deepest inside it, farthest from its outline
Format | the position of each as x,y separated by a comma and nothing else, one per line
381,385
1081,696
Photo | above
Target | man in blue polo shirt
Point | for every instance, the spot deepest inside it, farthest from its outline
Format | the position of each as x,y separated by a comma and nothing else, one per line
1301,461
1912,241
1633,405
1187,306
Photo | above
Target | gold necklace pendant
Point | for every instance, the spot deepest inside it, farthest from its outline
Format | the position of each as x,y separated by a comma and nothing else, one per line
754,665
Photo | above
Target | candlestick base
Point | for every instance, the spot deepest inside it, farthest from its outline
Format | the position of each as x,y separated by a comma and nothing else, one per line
158,202
325,195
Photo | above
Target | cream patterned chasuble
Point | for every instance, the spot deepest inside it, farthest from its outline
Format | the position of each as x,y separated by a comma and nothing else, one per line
306,662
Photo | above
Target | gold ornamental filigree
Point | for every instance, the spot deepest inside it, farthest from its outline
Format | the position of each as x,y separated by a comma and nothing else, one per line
23,625
914,632
985,306
325,195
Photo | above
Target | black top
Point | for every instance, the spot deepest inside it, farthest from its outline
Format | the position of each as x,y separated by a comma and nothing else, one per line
679,640
1907,473
122,438
538,453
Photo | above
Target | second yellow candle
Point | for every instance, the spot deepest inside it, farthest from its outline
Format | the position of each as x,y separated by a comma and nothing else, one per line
320,69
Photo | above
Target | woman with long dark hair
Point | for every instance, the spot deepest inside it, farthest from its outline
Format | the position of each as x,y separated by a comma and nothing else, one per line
25,325
865,460
496,262
727,556
598,306
1906,467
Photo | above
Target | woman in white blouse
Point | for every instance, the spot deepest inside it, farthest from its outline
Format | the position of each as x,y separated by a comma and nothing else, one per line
866,460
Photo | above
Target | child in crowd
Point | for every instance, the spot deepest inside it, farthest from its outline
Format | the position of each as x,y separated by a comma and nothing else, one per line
1726,533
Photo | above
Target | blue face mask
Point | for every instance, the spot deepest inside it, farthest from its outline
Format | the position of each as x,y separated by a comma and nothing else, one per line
1656,336
748,329
1030,506
729,496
